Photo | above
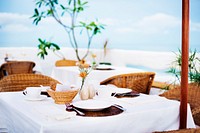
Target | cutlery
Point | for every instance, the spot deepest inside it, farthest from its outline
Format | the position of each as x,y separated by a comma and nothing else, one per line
128,94
119,107
70,107
114,94
24,93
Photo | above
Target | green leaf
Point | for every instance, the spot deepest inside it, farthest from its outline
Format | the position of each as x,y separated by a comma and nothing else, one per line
50,12
51,3
62,7
56,1
80,9
88,28
74,10
45,52
44,46
39,3
96,30
84,3
63,13
69,2
41,55
56,46
40,40
82,23
92,24
102,27
36,11
79,2
38,20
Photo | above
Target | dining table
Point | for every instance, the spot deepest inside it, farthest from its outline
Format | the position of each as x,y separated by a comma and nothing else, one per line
69,75
140,114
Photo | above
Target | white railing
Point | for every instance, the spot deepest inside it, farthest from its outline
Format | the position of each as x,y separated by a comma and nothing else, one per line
150,60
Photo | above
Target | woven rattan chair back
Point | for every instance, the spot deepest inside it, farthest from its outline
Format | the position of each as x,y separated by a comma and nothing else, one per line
140,82
19,82
60,63
189,130
193,99
17,67
163,85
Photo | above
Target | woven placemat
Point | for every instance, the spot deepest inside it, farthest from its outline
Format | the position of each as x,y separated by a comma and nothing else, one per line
110,111
126,95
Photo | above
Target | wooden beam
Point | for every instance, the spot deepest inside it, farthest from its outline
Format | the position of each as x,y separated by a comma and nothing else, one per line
184,65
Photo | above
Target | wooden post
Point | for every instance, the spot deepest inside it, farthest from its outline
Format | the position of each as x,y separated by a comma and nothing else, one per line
184,65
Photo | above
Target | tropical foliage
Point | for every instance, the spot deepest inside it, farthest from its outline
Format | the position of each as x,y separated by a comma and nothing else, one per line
71,9
193,66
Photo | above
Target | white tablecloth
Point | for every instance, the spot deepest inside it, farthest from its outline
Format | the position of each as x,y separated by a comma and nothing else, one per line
144,114
69,75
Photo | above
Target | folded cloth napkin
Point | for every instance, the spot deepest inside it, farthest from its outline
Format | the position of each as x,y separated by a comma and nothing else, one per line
55,113
61,87
127,94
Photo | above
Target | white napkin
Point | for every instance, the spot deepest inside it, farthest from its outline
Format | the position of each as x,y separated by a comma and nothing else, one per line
54,113
65,87
111,85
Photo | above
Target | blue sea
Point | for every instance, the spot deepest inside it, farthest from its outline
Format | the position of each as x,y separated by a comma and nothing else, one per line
164,48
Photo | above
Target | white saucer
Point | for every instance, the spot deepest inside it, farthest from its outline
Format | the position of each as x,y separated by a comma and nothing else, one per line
120,90
104,67
42,97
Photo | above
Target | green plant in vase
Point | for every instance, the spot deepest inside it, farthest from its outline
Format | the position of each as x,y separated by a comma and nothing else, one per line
86,91
59,10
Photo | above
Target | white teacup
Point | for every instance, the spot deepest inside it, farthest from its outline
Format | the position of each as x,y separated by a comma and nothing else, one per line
33,92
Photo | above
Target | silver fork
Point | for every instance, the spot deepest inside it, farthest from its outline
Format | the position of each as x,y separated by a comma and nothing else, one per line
68,106
119,107
78,111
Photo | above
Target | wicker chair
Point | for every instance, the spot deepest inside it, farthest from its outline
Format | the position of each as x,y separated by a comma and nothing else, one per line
163,85
189,130
140,82
16,67
19,82
60,63
193,99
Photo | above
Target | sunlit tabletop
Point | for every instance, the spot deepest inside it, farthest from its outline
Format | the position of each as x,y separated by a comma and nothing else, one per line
145,113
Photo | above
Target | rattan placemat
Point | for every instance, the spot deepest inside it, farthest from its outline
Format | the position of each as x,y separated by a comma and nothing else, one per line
112,110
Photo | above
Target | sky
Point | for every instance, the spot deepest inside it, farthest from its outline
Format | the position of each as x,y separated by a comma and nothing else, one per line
152,25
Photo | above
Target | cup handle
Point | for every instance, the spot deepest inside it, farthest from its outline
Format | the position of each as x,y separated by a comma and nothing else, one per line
24,92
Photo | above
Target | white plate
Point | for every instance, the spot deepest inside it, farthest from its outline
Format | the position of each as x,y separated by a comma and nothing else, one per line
120,90
103,67
42,97
92,105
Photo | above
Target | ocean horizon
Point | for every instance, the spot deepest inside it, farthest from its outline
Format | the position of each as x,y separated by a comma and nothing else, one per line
157,48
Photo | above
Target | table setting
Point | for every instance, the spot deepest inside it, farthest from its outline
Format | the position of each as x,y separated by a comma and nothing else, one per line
130,112
87,107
